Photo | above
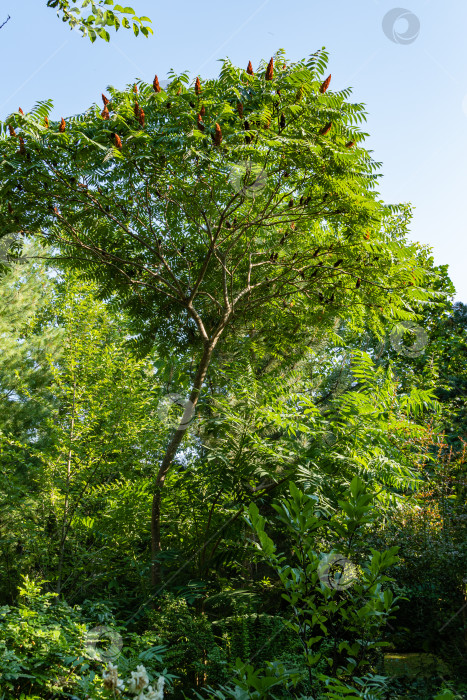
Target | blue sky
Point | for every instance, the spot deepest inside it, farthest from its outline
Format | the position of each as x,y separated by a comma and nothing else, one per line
415,92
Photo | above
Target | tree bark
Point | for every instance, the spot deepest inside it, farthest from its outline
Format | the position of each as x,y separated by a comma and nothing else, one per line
168,459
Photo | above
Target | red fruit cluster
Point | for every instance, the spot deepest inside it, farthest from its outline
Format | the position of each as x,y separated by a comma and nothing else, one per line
325,85
217,135
270,70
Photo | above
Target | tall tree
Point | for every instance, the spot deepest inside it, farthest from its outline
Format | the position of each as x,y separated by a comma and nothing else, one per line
228,210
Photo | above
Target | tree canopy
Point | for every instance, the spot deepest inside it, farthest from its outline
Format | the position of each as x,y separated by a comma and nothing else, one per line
223,210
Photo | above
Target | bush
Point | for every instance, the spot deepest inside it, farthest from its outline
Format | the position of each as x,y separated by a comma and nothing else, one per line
49,649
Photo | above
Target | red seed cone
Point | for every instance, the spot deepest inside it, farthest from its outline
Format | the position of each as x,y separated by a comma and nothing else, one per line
20,111
142,117
62,126
136,110
218,135
197,86
11,130
249,69
155,84
358,283
46,122
179,91
22,148
270,70
324,86
326,129
118,142
135,88
350,144
240,109
202,111
200,123
105,100
105,113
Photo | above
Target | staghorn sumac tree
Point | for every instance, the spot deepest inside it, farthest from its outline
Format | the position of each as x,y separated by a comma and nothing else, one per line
240,211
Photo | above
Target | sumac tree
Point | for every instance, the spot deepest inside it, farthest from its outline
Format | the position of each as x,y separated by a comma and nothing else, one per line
240,211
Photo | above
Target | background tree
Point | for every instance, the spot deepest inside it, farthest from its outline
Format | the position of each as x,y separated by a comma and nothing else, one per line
28,336
91,438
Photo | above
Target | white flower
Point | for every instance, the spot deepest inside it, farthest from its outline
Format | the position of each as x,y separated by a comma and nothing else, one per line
155,694
111,679
139,680
158,694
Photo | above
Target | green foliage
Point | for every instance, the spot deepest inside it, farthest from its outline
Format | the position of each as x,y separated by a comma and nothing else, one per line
256,683
39,640
103,14
159,221
192,651
48,648
433,557
273,422
25,290
90,455
213,242
353,620
144,199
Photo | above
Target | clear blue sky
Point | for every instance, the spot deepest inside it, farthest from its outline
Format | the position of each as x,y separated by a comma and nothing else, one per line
415,92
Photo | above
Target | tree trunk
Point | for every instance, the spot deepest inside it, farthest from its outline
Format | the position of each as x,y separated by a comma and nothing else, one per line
169,457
